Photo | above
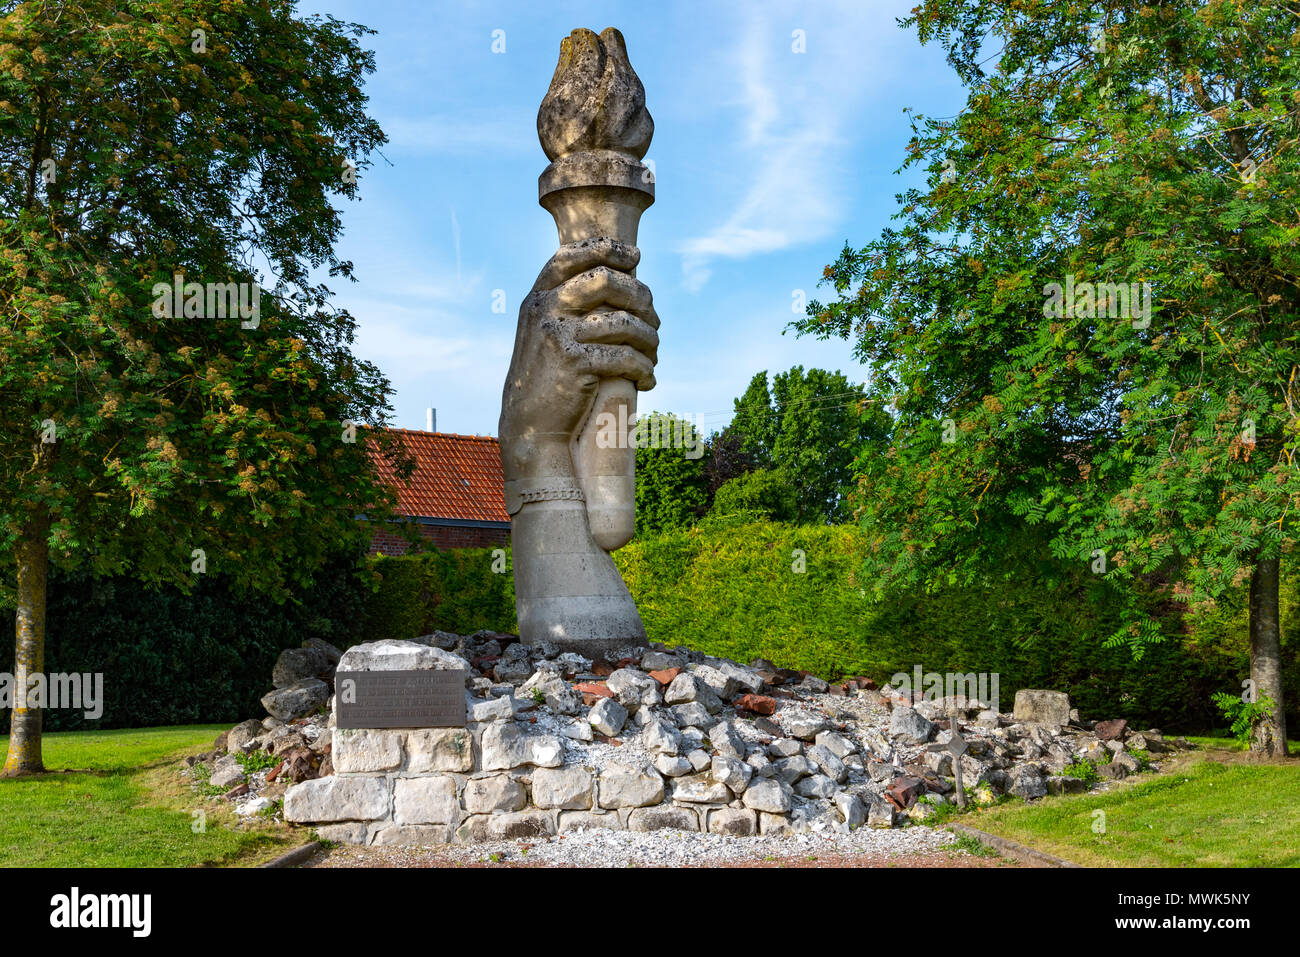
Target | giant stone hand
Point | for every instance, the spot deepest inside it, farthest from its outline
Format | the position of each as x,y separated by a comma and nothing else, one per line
585,320
587,340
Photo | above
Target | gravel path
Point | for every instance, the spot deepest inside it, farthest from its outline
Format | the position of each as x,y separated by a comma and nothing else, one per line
864,847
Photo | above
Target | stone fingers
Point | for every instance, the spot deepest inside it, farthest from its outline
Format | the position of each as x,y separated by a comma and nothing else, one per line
603,286
573,259
615,362
618,328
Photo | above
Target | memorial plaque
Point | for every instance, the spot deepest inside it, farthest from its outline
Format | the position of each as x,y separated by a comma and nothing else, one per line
400,699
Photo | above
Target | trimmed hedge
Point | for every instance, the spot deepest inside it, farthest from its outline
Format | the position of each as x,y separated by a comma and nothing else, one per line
727,588
455,590
170,658
732,590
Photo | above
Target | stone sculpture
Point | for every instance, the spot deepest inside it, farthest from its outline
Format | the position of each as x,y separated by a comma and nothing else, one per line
586,341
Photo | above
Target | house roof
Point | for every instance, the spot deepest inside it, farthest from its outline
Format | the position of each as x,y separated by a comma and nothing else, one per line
456,477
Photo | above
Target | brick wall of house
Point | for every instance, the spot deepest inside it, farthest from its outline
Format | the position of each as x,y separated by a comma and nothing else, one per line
388,542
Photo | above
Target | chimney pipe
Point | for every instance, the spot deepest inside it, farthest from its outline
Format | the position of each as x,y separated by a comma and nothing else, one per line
431,420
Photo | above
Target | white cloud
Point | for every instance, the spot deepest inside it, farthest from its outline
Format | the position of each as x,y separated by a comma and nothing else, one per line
796,124
435,337
758,97
389,337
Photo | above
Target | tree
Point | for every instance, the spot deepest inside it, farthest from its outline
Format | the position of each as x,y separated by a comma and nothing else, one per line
1087,320
755,421
762,494
725,458
808,427
147,148
671,487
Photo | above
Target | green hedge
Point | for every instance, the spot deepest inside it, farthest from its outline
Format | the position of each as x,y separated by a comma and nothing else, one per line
170,658
731,590
455,590
727,588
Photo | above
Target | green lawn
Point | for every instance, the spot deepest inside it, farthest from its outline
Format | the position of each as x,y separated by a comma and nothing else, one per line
123,806
1226,742
1204,811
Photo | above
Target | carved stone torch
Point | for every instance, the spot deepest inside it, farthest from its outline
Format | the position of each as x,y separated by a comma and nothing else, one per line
586,341
595,129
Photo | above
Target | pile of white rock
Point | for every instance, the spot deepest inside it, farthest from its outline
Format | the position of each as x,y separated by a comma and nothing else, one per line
671,738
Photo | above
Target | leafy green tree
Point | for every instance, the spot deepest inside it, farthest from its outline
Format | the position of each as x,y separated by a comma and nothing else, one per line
143,141
755,421
763,495
671,487
808,427
821,426
1106,154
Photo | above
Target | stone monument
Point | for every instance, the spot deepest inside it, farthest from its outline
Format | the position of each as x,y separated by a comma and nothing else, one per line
395,777
586,342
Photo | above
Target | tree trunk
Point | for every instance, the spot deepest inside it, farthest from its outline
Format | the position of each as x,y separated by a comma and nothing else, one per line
1269,737
32,553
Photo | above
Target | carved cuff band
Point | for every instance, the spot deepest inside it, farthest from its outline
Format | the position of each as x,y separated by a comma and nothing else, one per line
520,493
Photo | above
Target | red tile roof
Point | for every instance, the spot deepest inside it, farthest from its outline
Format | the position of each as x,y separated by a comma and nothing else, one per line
456,476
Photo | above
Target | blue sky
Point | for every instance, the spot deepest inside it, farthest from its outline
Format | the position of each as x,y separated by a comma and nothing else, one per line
766,161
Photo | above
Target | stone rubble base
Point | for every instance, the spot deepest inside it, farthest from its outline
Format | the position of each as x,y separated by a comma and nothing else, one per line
421,787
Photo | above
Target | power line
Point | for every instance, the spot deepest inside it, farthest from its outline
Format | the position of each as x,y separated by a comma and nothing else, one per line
792,405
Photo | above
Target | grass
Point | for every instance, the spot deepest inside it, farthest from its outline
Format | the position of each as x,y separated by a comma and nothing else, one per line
124,805
1083,770
973,846
1225,741
1200,812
